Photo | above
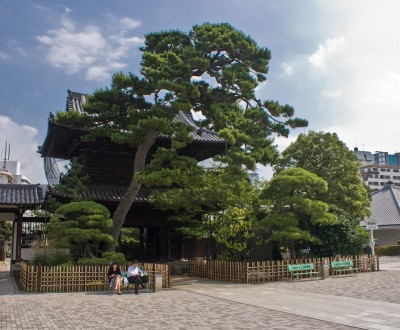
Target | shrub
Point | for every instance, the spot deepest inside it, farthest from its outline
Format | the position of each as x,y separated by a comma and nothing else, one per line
51,258
113,256
106,259
93,262
388,250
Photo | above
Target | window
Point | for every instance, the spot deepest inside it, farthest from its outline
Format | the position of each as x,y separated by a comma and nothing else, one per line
376,176
388,170
383,169
383,183
396,177
395,170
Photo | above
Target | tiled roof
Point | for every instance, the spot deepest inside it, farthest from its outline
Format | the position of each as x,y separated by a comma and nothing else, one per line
22,194
108,193
76,100
198,134
385,206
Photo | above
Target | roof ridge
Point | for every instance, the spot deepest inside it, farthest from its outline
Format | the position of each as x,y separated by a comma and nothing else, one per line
395,197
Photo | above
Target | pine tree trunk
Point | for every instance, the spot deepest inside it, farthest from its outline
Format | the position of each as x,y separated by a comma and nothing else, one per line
139,165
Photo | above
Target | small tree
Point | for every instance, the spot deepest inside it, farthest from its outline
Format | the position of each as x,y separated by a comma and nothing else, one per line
82,226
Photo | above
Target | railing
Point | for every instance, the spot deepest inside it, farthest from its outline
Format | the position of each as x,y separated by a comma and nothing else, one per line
250,272
77,278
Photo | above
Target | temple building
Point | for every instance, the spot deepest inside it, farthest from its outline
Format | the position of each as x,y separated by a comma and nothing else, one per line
110,169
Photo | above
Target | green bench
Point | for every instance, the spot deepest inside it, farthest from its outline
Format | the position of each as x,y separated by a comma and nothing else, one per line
302,270
343,267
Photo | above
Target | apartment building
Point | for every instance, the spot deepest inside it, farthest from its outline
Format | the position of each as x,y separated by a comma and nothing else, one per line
377,176
379,168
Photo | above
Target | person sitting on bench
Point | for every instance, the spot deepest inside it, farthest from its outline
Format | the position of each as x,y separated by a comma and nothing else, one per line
134,275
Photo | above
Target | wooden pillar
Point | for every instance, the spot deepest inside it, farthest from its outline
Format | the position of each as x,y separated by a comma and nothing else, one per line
163,243
19,235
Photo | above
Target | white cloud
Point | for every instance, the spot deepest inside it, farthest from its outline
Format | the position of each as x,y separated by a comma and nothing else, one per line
88,49
325,52
287,69
332,93
4,56
129,23
24,141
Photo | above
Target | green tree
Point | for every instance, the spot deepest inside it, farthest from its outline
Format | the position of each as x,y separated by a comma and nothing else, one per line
342,238
82,226
327,156
218,205
294,209
5,232
214,70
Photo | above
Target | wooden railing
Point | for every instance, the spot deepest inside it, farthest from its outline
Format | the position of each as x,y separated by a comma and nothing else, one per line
250,272
77,278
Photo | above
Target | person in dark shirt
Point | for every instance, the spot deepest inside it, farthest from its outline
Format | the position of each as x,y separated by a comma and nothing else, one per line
114,278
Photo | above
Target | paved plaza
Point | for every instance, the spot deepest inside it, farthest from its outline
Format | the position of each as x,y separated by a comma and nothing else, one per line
363,301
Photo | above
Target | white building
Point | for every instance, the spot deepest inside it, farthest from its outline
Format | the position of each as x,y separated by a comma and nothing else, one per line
10,172
377,176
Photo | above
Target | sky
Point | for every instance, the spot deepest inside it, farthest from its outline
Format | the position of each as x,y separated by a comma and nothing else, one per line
336,62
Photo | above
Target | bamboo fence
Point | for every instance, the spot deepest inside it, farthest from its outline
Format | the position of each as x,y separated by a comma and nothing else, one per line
78,278
260,271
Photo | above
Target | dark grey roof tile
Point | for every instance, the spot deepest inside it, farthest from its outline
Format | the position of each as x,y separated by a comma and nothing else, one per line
22,194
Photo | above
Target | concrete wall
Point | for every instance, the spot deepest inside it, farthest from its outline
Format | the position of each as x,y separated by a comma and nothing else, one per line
386,237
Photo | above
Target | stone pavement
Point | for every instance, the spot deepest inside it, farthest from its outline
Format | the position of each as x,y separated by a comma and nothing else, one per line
365,301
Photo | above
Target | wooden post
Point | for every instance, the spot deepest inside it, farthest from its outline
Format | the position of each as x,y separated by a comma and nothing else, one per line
39,277
19,235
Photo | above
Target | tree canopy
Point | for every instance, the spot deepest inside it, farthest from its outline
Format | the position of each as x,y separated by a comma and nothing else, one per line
325,155
294,208
82,226
212,71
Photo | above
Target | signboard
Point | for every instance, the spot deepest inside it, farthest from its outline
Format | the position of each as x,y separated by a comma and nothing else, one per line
371,224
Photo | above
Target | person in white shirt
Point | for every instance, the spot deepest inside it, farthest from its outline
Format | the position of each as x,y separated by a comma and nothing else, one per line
134,275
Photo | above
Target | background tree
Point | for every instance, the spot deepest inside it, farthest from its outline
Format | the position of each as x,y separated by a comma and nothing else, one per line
5,231
82,226
294,208
213,70
5,235
325,155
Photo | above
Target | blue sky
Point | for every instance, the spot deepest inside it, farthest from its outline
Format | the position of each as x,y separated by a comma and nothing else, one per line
337,62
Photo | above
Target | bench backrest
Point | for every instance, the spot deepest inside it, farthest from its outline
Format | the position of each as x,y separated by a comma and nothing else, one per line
292,268
342,263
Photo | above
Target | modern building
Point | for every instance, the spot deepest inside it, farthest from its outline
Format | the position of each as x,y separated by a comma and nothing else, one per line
378,158
378,176
10,171
364,157
379,168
